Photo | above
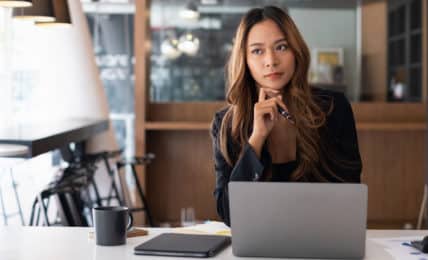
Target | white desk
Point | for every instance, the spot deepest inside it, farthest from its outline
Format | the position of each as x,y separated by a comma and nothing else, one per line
73,243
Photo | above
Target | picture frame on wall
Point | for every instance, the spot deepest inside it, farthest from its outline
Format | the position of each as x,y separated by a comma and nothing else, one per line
332,56
327,65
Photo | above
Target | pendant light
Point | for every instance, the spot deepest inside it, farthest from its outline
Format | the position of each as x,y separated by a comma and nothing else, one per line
61,13
189,44
190,12
15,3
41,11
169,49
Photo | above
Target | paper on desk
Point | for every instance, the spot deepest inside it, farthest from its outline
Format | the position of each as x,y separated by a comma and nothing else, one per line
209,227
400,249
134,232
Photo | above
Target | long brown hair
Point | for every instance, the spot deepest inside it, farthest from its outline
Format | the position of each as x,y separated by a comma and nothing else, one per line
242,94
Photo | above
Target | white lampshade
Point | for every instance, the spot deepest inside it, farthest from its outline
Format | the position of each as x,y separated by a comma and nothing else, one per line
188,44
190,12
169,48
61,13
40,11
15,3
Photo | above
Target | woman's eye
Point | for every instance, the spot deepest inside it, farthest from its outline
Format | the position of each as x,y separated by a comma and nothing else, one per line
282,47
256,51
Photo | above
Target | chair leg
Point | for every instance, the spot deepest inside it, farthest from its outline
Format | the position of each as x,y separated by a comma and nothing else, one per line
63,211
142,197
43,209
75,206
88,205
3,209
33,214
113,187
422,209
39,212
18,203
96,192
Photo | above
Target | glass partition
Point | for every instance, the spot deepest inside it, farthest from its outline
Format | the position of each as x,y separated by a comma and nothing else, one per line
112,29
191,42
405,50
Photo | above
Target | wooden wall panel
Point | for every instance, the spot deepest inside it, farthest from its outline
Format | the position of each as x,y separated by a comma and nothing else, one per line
188,111
140,89
182,175
374,50
381,112
424,49
394,169
365,112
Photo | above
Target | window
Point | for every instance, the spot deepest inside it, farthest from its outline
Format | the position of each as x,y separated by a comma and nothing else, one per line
112,30
405,50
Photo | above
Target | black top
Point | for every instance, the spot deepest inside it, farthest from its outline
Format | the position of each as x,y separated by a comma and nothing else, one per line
339,132
282,171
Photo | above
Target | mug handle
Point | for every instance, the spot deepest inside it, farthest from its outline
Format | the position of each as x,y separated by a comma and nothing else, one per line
130,221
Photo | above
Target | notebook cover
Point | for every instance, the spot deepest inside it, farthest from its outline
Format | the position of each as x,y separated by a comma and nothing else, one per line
171,244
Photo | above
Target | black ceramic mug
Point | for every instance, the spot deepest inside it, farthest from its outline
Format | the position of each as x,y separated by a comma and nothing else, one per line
111,225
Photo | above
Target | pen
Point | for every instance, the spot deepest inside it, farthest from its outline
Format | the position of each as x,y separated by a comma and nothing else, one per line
285,114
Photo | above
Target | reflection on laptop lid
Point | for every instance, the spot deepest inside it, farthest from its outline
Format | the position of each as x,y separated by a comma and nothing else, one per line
313,220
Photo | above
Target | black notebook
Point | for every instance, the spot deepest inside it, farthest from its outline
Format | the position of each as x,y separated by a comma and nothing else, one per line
170,244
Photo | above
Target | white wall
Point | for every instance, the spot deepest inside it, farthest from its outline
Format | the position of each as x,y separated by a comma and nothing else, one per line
5,64
60,80
65,81
332,28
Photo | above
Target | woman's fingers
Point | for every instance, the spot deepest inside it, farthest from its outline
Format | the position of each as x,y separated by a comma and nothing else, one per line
276,101
266,112
262,95
268,108
265,107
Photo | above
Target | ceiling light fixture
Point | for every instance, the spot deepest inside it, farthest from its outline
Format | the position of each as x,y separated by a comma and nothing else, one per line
169,48
40,11
189,44
190,12
15,3
61,13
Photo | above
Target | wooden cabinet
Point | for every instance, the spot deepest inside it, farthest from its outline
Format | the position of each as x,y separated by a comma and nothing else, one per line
393,147
405,41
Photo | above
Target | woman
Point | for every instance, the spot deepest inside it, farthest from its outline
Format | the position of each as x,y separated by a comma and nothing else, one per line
276,127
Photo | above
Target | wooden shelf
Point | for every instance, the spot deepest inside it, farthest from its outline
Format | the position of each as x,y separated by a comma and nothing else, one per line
391,126
172,126
178,125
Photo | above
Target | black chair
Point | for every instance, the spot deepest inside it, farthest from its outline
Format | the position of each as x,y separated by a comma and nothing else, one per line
142,160
113,193
120,164
70,191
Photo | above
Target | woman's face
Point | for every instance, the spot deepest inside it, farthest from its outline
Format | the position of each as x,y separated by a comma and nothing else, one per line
269,59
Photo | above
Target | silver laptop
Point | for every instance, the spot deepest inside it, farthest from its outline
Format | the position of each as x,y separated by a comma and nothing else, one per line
298,220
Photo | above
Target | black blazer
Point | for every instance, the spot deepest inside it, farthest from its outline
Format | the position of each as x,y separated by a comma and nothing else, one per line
339,131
